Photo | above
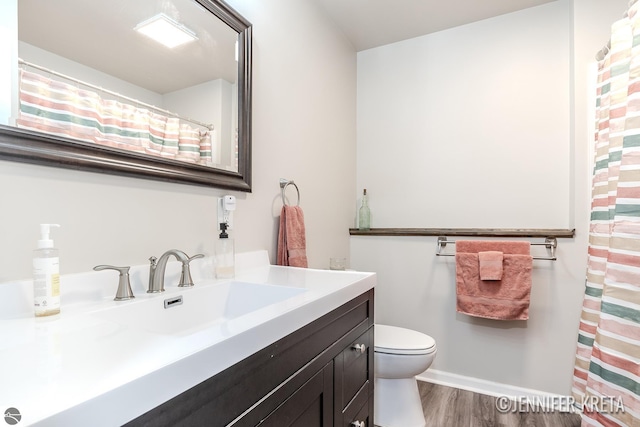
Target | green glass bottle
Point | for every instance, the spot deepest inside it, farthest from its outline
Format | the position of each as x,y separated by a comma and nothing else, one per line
364,215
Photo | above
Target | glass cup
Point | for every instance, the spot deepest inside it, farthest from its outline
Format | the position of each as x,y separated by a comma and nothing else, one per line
337,263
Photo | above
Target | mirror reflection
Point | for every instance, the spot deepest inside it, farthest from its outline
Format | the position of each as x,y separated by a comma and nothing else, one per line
96,74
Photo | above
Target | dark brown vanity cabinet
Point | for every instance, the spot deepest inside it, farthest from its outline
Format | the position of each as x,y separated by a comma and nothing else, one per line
320,375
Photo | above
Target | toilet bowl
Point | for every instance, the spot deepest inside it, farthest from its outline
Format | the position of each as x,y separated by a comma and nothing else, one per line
400,354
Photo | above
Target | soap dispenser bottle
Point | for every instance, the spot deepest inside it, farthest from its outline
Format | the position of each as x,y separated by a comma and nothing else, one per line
225,255
46,275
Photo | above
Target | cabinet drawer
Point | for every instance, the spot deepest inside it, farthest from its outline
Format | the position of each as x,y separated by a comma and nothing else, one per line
352,368
309,406
357,412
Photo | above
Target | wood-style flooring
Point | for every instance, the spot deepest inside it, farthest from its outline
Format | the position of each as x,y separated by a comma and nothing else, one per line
451,407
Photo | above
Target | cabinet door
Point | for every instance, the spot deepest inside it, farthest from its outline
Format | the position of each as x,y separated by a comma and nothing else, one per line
354,368
310,406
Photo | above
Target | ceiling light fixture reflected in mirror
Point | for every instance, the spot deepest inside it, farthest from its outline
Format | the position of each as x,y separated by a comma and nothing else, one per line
166,31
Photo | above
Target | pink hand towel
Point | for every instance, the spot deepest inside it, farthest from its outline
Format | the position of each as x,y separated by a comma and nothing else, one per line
505,299
490,265
292,244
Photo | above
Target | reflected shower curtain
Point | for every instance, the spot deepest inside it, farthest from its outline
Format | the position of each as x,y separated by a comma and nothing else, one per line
606,379
59,108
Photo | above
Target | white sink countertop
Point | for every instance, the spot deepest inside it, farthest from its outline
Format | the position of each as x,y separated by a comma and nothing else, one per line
104,363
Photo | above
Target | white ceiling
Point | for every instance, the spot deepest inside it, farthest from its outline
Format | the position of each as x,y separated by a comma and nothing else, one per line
101,37
372,23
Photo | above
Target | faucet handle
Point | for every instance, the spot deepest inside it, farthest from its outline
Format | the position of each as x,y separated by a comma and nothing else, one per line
185,277
124,286
195,257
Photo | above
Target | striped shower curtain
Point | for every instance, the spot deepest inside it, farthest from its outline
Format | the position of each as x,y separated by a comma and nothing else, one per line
606,381
59,108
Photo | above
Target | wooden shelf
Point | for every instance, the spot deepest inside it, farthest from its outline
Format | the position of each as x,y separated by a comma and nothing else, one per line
474,232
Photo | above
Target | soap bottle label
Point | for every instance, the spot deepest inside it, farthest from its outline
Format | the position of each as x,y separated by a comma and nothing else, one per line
46,285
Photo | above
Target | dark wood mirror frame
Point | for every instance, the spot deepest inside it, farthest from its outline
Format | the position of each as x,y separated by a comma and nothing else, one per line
27,146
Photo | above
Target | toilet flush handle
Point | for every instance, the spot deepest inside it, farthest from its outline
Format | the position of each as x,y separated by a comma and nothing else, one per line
361,348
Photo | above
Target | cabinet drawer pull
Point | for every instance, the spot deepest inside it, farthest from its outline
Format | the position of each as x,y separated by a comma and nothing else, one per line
361,348
358,424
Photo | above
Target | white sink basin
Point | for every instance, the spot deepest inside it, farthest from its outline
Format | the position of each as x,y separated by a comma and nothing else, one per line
192,309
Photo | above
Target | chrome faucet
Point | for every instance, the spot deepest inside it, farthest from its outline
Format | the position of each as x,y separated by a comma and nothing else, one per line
156,271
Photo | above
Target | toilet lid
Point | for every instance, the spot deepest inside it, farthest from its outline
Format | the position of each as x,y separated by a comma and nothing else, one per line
395,340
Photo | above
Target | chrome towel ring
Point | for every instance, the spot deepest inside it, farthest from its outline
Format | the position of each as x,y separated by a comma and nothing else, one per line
283,186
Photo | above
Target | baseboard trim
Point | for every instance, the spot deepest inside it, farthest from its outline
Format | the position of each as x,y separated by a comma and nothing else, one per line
481,386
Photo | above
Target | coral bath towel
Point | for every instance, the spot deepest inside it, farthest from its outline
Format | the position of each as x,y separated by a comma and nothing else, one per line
292,242
505,299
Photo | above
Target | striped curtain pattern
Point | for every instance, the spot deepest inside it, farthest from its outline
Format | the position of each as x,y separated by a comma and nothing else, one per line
607,366
59,108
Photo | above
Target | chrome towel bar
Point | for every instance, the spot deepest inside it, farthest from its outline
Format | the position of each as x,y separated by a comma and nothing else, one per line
551,243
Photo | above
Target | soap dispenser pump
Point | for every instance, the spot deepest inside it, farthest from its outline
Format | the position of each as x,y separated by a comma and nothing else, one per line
225,255
46,275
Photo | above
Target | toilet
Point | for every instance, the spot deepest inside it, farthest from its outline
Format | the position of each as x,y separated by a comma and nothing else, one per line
400,354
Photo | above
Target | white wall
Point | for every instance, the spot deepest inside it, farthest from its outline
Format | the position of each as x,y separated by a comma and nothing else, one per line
304,79
483,125
453,116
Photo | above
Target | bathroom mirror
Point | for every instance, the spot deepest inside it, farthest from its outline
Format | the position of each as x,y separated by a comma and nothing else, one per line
90,90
